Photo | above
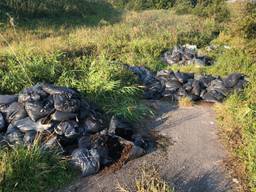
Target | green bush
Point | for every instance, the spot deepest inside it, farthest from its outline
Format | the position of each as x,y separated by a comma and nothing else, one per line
143,4
216,9
248,21
196,38
51,7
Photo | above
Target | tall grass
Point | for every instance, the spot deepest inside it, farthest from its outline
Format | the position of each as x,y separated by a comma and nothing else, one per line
32,170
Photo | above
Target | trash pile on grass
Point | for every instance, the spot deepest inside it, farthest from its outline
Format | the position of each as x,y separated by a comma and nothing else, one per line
175,85
59,118
186,55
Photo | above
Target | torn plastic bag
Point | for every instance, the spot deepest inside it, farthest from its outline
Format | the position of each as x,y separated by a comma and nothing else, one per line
67,128
39,109
87,160
134,151
15,112
27,124
120,127
66,103
29,137
231,80
34,93
63,116
2,123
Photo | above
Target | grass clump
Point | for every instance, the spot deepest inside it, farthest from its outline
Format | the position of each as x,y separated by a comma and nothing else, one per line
185,102
149,181
32,170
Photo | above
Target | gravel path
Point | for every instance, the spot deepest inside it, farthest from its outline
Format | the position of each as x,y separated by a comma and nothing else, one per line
192,160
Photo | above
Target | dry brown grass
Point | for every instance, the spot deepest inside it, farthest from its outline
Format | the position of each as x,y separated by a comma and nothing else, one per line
185,102
148,181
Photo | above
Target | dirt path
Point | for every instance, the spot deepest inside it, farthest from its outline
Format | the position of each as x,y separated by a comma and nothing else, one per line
191,162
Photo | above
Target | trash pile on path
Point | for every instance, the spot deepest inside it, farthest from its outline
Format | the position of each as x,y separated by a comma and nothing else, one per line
175,85
58,118
186,55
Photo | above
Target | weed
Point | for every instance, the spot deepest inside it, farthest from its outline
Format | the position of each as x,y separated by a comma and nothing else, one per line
149,181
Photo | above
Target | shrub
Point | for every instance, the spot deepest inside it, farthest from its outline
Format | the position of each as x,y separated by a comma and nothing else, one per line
196,38
248,21
143,4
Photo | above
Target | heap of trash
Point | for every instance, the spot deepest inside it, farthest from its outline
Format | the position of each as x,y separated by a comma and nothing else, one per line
59,118
174,85
186,55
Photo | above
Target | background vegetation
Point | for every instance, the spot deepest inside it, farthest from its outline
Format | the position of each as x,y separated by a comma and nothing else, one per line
82,46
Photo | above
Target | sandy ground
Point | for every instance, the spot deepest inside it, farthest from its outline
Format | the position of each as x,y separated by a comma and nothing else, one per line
191,161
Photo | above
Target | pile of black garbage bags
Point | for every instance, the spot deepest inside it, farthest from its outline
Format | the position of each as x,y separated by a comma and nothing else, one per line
186,55
59,118
175,85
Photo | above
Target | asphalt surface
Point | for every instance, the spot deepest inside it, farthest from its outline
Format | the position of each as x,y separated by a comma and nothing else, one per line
191,159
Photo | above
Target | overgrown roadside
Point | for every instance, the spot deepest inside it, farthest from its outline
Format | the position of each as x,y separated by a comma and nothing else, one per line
87,54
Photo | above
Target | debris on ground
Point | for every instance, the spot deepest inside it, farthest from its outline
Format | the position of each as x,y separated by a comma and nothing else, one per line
60,119
186,55
174,85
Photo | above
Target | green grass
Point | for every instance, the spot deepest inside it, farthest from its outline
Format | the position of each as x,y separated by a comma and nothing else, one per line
33,170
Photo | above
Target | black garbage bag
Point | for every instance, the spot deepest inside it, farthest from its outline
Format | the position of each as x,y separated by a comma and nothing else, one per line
88,161
172,86
70,129
213,96
58,90
26,124
205,80
66,103
91,125
232,80
240,85
154,90
15,112
15,137
184,77
52,143
143,74
34,93
40,108
8,99
85,142
188,86
217,85
120,127
2,123
63,116
196,88
29,137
